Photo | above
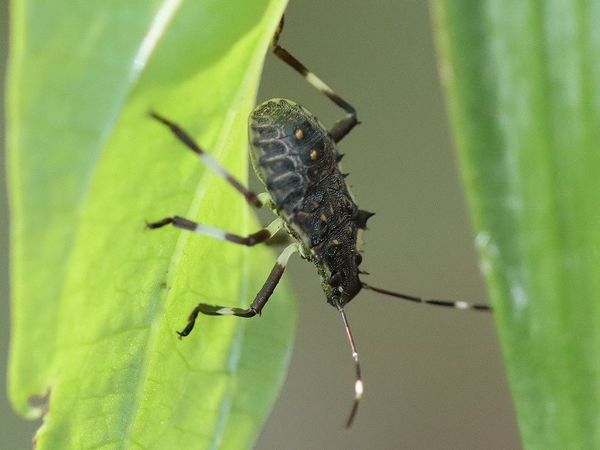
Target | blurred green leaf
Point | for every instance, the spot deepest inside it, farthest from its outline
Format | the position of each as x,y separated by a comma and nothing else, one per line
96,297
523,83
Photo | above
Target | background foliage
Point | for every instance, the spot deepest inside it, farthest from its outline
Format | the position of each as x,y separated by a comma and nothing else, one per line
97,298
523,80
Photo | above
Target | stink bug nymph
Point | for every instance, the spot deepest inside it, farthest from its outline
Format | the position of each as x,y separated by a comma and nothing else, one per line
296,158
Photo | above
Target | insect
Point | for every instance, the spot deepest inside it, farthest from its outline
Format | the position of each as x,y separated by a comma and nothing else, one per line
296,158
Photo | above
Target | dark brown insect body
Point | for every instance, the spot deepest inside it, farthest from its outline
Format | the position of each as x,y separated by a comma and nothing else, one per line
297,160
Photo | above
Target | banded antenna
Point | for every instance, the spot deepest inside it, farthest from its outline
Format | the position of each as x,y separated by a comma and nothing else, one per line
458,304
358,383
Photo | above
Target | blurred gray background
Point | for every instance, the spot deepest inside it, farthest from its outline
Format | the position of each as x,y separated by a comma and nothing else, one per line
434,377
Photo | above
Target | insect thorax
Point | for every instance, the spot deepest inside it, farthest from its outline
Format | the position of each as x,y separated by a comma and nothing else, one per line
296,159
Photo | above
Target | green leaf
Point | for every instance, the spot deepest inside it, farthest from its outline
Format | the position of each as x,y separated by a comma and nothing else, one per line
523,83
97,298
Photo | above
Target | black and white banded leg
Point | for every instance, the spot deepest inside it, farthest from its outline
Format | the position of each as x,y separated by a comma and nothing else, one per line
457,304
217,233
342,127
213,165
256,306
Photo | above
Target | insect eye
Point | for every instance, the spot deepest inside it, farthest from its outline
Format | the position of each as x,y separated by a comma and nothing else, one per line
358,259
335,279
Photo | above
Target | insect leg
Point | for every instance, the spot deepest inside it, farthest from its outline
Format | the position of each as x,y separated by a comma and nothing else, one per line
250,240
187,140
342,127
257,305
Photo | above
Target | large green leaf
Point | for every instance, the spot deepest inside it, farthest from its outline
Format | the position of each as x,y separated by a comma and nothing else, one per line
96,297
523,80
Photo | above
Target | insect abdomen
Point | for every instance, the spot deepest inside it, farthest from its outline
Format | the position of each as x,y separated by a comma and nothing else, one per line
291,151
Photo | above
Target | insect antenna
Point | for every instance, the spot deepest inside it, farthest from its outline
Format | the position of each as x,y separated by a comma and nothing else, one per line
458,304
358,383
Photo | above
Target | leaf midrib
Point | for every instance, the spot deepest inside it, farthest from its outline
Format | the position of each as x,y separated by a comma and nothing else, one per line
193,211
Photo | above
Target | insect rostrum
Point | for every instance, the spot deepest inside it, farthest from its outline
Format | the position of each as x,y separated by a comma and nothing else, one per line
296,158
